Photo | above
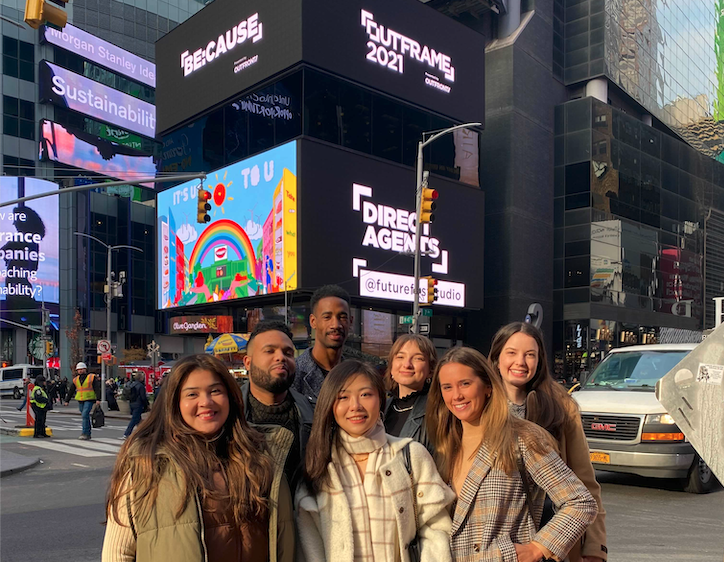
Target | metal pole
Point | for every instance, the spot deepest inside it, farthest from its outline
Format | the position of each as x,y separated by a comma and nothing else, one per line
418,231
104,403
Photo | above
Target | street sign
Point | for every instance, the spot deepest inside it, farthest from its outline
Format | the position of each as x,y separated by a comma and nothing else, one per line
106,357
406,319
104,346
426,311
424,328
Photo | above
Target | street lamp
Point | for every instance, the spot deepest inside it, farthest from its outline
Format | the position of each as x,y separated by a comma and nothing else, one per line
418,207
109,289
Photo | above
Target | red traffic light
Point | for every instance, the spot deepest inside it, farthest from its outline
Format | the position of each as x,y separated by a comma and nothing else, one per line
206,194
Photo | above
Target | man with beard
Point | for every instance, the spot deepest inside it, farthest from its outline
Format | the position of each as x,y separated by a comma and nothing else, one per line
268,398
331,319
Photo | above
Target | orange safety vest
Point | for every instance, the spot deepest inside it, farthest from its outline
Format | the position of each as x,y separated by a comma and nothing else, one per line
84,392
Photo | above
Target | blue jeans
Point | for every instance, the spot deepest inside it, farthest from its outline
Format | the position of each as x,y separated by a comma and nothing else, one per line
85,408
136,411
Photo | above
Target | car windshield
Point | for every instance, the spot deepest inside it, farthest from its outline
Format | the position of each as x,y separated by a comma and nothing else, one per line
633,370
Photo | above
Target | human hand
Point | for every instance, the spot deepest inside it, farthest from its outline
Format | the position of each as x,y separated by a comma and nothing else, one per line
591,559
528,553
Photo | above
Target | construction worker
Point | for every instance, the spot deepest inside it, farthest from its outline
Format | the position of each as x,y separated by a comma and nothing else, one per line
39,401
87,391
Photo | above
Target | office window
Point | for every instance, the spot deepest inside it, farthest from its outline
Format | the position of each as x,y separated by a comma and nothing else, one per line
18,59
18,118
18,166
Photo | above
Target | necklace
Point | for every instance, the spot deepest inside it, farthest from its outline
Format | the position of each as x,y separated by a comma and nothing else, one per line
366,456
400,410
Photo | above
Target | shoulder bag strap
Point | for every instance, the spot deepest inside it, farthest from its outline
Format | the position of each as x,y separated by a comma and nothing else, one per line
526,487
408,466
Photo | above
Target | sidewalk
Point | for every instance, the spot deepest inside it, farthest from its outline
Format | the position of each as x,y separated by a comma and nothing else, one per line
10,463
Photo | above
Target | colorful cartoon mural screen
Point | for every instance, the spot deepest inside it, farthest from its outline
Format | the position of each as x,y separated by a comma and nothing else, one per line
250,245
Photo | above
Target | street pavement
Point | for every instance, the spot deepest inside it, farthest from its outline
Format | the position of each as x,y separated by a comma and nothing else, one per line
55,510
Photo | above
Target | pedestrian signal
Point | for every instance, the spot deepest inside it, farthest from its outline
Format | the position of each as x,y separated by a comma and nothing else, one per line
39,12
428,205
431,289
204,206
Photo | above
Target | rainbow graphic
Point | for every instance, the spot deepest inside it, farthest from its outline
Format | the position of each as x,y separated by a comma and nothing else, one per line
222,233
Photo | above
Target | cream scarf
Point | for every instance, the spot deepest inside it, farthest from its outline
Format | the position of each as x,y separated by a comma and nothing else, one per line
373,518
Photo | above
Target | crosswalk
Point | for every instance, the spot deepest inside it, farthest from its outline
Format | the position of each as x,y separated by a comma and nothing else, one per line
96,447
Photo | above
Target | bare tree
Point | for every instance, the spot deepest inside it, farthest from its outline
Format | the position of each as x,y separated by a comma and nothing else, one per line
73,336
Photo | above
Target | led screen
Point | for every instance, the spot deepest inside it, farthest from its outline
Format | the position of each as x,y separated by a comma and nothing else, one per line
87,152
102,52
248,248
28,247
68,89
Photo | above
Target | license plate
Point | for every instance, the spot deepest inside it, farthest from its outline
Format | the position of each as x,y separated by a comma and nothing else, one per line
603,458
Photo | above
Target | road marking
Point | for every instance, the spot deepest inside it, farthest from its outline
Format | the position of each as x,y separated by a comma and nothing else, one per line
59,447
90,445
111,440
81,465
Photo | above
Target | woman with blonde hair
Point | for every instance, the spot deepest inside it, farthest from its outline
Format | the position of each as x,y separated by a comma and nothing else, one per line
196,483
410,364
518,357
501,467
367,496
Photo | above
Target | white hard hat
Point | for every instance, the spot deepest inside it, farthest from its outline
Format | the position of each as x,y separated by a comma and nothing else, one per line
81,365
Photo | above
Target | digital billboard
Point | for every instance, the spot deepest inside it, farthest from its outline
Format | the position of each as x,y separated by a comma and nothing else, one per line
29,252
401,48
248,248
366,237
102,52
68,89
87,152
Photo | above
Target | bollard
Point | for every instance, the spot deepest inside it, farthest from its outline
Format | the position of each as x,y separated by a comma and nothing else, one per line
29,413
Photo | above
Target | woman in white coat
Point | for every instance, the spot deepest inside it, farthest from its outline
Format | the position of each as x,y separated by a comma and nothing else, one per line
359,502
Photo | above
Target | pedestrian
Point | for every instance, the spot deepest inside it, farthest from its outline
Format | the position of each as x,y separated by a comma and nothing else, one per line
137,401
267,394
518,357
111,388
51,391
196,482
331,320
410,365
63,388
500,467
39,401
367,495
86,390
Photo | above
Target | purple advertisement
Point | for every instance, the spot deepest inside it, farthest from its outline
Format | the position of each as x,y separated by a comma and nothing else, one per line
103,53
68,89
87,152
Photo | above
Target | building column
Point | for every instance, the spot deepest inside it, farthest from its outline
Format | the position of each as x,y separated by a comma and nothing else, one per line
598,88
508,23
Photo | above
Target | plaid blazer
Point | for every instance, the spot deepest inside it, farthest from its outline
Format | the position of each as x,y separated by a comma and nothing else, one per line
491,513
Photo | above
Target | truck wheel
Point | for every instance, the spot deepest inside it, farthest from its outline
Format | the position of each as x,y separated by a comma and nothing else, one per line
16,393
701,479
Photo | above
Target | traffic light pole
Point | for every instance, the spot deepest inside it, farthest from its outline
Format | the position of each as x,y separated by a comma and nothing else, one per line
418,206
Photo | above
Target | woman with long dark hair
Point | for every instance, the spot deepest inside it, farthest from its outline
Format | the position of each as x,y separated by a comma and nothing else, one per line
367,496
518,357
195,482
501,467
410,365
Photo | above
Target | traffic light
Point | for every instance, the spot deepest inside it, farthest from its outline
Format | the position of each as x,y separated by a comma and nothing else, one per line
40,12
49,348
204,206
428,205
431,289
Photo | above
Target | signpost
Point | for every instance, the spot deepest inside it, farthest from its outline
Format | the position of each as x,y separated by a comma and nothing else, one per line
103,347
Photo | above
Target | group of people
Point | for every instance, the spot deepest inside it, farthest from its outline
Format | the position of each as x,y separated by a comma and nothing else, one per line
466,458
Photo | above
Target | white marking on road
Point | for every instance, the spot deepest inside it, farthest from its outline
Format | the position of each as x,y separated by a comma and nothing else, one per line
90,445
111,440
66,449
81,465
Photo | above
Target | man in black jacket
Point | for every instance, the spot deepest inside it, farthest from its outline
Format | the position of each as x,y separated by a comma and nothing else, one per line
137,401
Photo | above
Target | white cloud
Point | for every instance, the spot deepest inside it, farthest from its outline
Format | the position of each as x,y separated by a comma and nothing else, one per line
186,233
253,230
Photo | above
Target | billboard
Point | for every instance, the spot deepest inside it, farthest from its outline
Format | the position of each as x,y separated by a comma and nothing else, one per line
401,48
29,252
365,239
87,152
250,245
211,324
68,89
102,52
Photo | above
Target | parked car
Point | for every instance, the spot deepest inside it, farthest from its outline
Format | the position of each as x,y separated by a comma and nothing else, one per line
13,379
627,429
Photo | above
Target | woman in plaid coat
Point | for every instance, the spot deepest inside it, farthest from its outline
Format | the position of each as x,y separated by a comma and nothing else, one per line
359,502
501,467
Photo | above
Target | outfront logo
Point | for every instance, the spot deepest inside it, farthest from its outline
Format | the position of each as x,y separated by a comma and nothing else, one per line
249,28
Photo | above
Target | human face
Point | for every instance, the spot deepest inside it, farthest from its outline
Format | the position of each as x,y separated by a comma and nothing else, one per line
518,361
270,361
410,367
331,320
204,402
357,407
464,393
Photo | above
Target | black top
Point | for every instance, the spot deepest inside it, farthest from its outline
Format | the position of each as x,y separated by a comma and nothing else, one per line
400,410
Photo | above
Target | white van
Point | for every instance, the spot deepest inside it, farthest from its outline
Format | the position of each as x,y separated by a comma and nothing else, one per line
627,429
12,379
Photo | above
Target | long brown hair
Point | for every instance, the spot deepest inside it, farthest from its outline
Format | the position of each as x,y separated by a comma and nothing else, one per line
500,429
324,428
423,344
551,405
164,439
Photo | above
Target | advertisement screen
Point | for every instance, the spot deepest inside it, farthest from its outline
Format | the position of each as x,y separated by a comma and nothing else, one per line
68,89
201,324
365,240
102,52
249,247
87,152
28,248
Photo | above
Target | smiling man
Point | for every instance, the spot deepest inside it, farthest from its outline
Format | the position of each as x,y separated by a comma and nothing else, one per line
331,320
268,398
